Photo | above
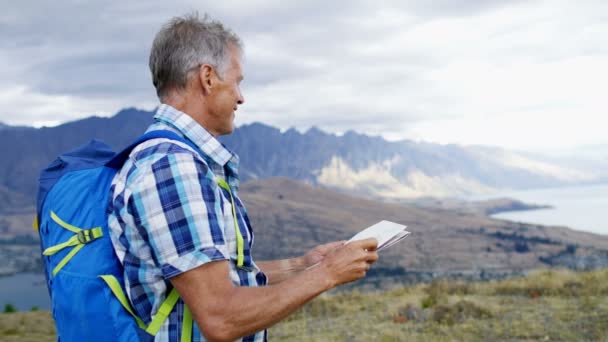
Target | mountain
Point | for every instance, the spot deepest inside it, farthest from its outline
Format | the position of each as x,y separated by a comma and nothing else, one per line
374,166
289,217
352,162
27,151
16,214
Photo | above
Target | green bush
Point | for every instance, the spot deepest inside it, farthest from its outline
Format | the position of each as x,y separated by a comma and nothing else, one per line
428,302
459,312
9,308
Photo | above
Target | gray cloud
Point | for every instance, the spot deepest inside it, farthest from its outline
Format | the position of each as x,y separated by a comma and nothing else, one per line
387,67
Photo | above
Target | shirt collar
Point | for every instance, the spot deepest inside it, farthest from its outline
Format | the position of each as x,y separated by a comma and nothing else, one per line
204,140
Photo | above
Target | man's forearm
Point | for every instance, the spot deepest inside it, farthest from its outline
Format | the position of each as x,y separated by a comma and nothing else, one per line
246,310
279,270
225,312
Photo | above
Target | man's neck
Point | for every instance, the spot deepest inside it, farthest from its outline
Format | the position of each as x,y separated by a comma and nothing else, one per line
192,106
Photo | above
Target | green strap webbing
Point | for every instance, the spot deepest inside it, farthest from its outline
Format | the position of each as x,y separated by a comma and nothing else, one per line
67,258
73,241
161,315
80,238
64,224
120,295
187,325
163,312
239,236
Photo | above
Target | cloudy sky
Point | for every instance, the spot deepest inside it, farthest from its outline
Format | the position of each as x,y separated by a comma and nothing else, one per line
519,74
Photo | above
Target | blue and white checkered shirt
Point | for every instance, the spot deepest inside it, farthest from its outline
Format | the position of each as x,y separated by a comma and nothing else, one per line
167,215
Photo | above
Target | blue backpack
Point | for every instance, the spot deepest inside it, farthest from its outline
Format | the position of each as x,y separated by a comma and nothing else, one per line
84,275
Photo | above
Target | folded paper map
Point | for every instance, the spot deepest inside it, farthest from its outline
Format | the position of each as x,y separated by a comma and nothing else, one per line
387,233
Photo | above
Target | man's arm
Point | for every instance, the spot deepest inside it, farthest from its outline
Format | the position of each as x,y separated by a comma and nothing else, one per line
225,312
277,271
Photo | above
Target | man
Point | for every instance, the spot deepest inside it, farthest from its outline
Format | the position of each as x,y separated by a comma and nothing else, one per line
173,225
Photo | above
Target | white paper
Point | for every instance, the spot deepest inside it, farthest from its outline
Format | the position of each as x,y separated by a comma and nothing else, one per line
387,233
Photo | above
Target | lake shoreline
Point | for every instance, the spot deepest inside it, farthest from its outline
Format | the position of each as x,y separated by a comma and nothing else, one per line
580,208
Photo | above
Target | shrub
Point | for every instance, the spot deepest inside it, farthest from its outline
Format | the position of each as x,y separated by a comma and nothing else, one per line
459,312
9,308
428,302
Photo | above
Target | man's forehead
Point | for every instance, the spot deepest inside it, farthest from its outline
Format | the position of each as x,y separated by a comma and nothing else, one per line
235,51
236,62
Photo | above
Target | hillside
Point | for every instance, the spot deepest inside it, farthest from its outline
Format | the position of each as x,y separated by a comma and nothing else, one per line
545,306
289,217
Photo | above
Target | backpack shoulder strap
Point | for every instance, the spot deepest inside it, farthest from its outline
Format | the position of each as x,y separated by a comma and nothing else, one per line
122,156
119,159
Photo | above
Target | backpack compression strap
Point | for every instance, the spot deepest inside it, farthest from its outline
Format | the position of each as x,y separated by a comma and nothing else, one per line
78,240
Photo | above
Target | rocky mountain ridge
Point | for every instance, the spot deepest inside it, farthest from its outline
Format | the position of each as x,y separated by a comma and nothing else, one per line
370,166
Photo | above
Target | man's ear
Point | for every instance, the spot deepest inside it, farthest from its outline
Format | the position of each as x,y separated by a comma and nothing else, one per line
207,77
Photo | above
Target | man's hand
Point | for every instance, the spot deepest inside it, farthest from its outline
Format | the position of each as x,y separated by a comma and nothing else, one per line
350,262
317,254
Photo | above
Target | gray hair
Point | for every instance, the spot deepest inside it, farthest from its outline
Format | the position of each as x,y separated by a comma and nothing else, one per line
185,43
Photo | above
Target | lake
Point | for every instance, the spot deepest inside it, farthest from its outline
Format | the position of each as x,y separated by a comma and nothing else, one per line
581,208
24,291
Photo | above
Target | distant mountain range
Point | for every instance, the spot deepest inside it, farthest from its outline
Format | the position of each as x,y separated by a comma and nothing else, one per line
351,162
290,216
404,169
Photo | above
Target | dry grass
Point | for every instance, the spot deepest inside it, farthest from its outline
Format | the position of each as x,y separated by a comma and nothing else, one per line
545,305
27,326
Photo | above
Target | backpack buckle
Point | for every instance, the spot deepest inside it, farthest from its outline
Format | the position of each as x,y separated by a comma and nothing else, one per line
86,236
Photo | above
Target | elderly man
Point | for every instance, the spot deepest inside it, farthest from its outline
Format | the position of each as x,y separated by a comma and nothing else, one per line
177,221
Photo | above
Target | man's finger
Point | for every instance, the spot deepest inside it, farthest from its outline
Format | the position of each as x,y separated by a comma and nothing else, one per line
333,245
372,257
367,244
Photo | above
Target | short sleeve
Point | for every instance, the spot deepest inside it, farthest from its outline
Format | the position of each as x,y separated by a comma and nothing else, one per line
177,209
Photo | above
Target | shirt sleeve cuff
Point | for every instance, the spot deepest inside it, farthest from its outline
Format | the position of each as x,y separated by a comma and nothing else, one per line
192,260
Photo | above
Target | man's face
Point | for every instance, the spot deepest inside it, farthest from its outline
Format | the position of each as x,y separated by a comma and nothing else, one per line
226,96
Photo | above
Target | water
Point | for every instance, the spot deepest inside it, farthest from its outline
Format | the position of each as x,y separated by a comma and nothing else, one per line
24,291
581,208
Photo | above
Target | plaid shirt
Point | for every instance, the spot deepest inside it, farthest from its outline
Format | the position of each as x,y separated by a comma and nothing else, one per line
167,215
